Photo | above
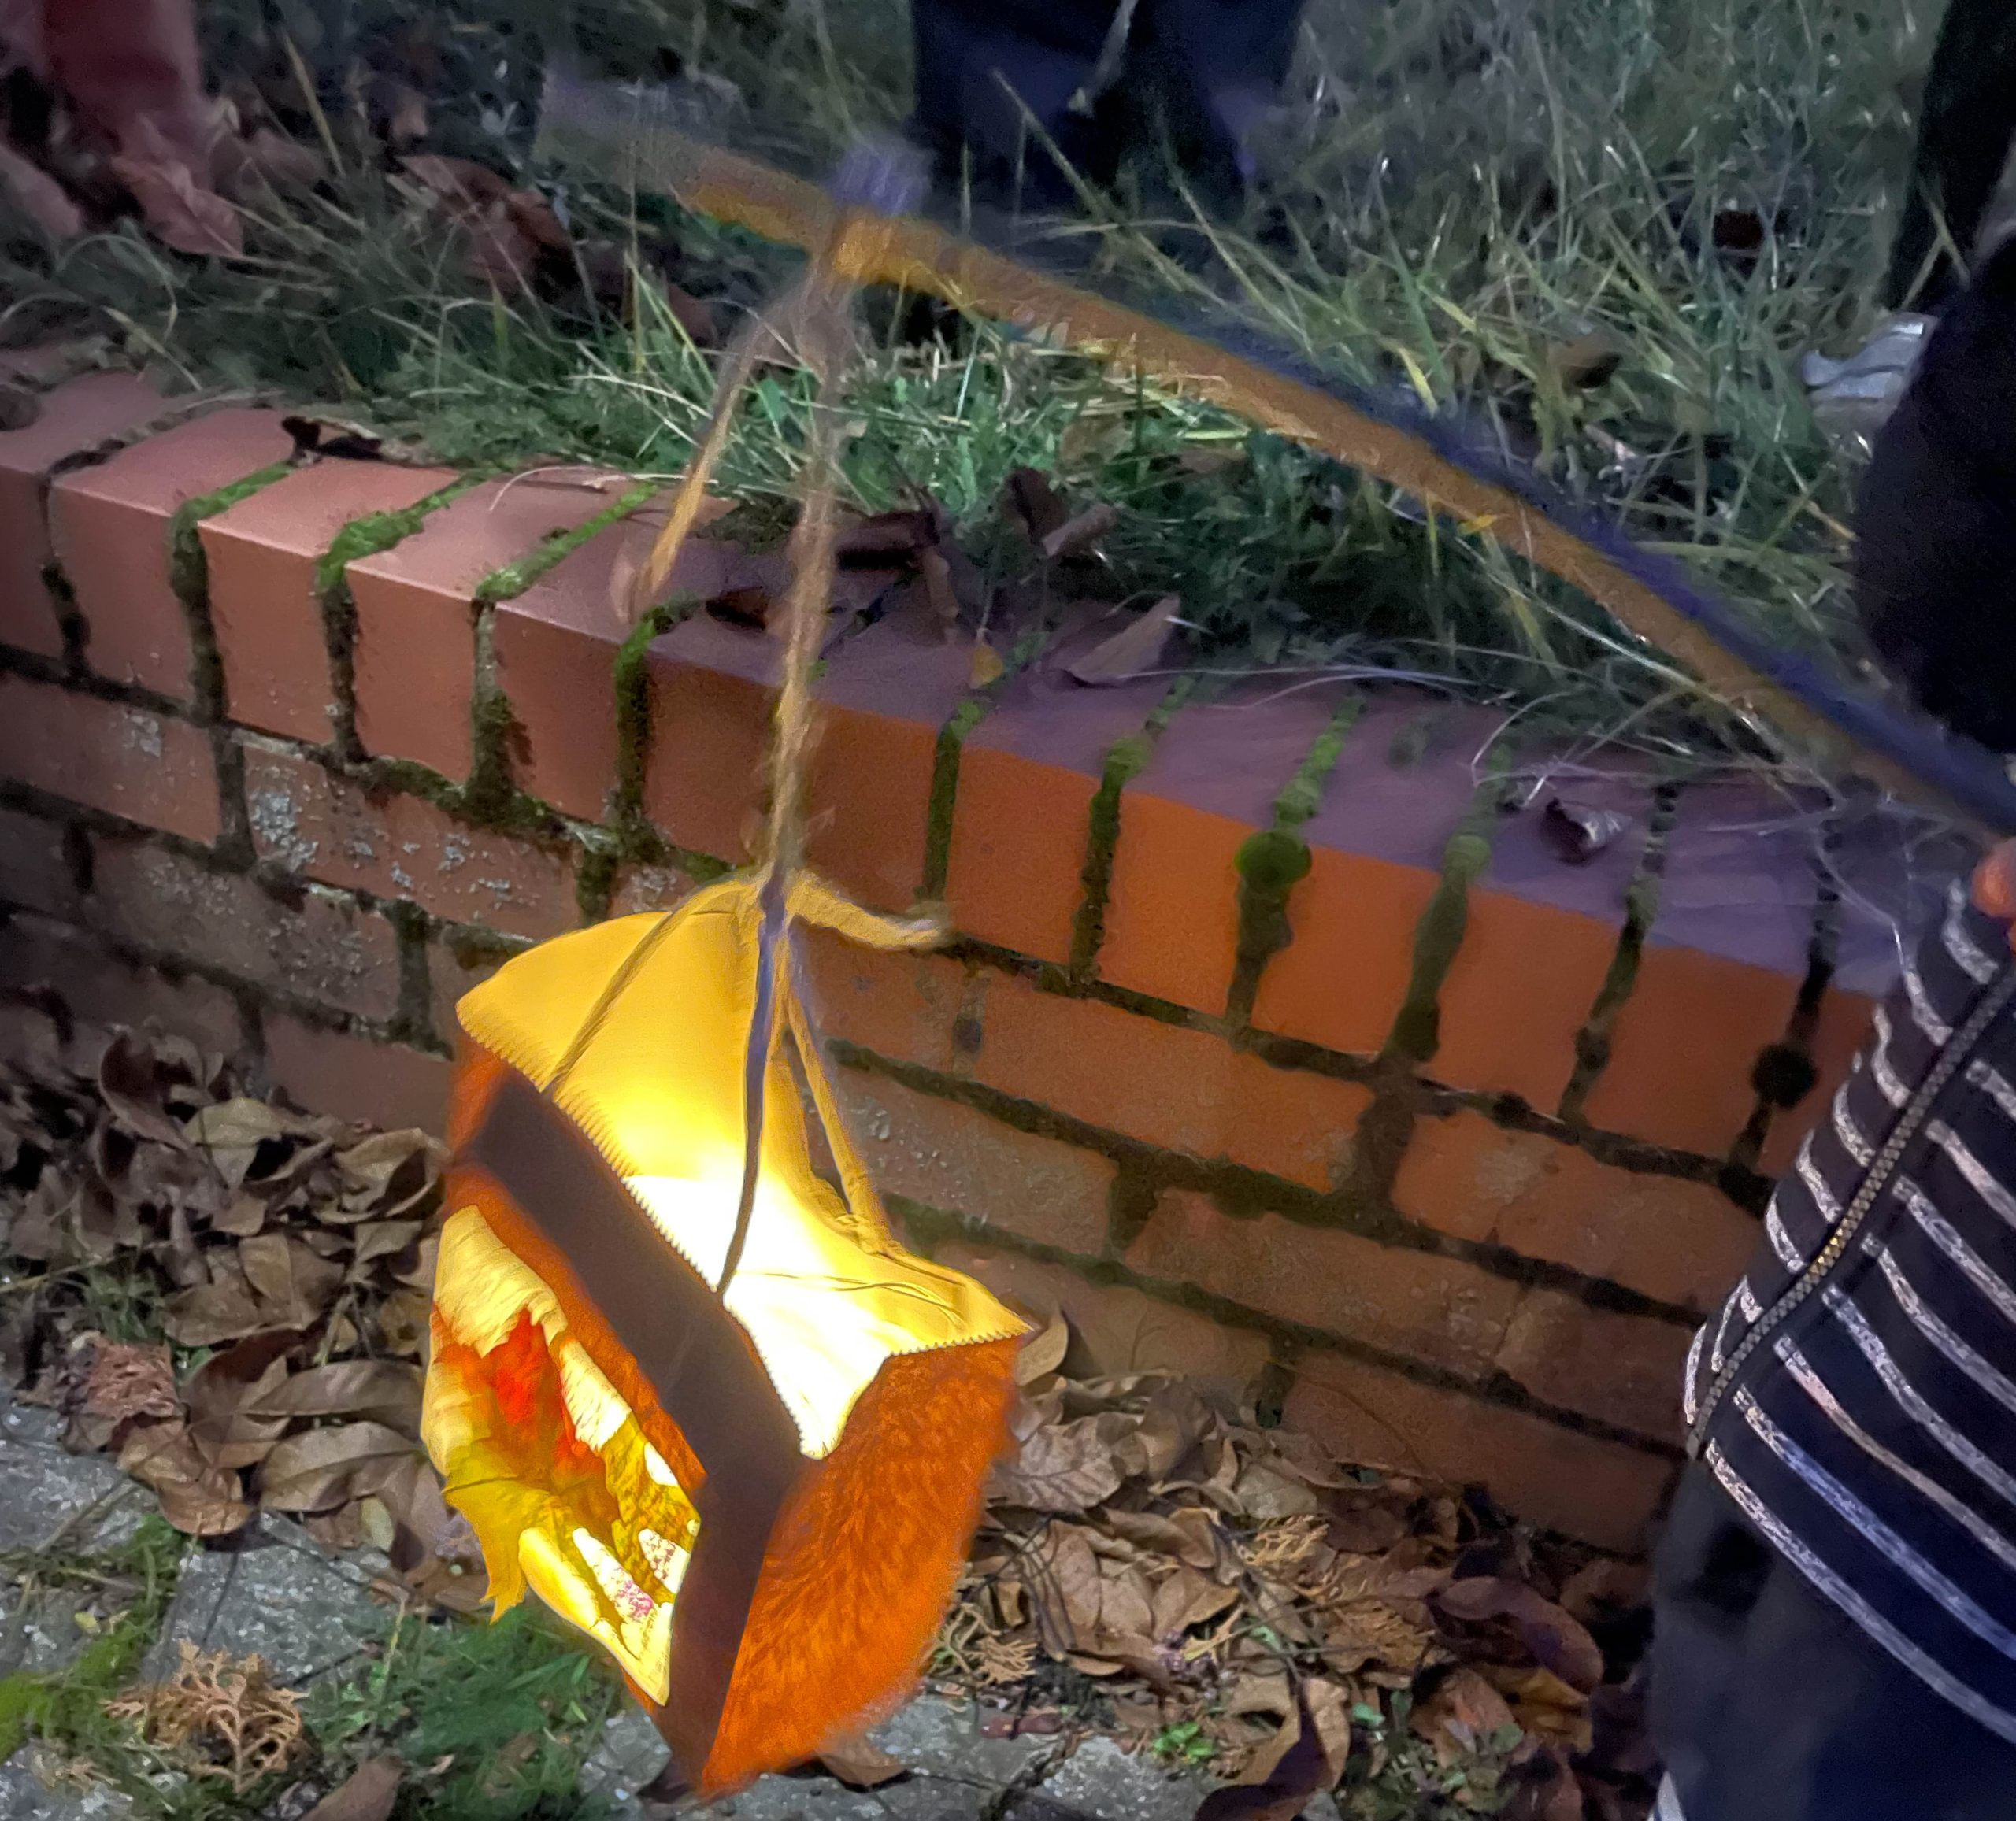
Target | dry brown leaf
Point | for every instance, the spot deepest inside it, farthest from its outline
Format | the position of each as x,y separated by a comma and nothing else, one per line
1543,1704
315,1470
384,1174
366,1794
198,1499
1137,646
1062,1577
229,1133
1028,499
1305,1758
264,157
936,574
382,1239
40,196
1079,531
1063,1466
129,1083
1460,1714
402,1323
1605,1588
860,1763
221,1391
386,1389
1558,1642
1042,1353
182,212
694,316
293,1286
1189,1598
224,1309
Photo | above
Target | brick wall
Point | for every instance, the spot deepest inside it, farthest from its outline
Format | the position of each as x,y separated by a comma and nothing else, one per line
1273,1047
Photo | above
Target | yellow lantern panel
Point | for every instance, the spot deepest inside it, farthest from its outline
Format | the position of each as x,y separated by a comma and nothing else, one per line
756,1502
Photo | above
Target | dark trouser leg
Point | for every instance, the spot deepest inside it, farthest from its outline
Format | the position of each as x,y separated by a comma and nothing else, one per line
1965,126
1770,1704
1215,67
981,63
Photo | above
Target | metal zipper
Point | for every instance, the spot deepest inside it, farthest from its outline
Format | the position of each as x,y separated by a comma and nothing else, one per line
1956,1055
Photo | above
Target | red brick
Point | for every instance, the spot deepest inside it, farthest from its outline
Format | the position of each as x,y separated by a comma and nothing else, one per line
448,977
1681,1241
150,769
416,610
111,523
1684,1048
901,1006
101,989
1184,1089
34,873
397,846
1392,1297
952,1157
1600,1491
354,1077
1541,935
322,948
556,647
1171,920
648,888
1621,1369
1019,830
1839,1033
1377,850
1341,982
262,555
1517,992
1021,821
1116,1330
711,709
885,694
74,419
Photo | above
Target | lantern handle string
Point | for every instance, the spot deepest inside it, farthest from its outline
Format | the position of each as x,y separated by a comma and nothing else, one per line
826,337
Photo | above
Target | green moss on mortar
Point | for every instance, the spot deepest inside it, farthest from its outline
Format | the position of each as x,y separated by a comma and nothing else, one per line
1273,861
1641,905
1124,762
189,576
1417,1029
513,580
945,767
361,538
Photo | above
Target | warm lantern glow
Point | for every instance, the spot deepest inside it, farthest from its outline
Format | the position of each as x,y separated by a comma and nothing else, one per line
755,1502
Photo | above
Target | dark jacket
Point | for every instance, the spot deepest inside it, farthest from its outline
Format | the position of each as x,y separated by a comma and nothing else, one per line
1856,1398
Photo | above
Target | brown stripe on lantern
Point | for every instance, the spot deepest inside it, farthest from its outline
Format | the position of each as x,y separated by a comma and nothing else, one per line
595,1248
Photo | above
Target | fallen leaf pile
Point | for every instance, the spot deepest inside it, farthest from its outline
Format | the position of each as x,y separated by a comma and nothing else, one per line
104,112
218,1717
1152,1562
1238,1597
287,1258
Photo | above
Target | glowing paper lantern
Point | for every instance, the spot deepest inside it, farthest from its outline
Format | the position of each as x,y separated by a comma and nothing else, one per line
757,1502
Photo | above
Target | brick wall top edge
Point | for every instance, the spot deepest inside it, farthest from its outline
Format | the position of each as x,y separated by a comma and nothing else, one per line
1403,813
76,415
303,512
186,461
900,667
1232,756
1043,714
490,526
